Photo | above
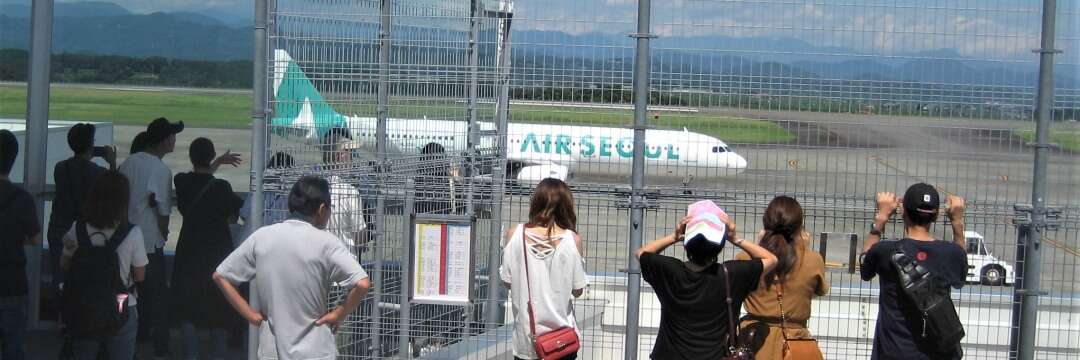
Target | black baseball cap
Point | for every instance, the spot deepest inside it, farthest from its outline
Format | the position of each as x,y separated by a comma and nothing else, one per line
161,128
923,198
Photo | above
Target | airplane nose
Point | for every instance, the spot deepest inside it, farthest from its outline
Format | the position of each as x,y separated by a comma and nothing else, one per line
737,161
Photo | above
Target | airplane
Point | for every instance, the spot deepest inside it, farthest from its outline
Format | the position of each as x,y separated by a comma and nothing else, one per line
534,151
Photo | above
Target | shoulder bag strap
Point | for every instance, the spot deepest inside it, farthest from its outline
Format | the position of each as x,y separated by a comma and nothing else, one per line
118,236
780,300
82,236
199,196
733,330
528,287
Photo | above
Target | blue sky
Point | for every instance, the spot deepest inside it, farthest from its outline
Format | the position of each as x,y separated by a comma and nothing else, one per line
1000,29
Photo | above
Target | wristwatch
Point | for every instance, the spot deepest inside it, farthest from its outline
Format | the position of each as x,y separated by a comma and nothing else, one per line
874,230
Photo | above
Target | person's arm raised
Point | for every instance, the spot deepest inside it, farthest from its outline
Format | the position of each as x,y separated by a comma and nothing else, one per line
955,208
887,203
768,260
659,245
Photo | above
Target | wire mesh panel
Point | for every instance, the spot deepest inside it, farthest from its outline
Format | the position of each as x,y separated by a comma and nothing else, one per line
828,101
832,101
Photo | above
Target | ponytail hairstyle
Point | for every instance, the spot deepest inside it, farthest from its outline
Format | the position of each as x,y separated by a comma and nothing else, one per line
783,222
552,204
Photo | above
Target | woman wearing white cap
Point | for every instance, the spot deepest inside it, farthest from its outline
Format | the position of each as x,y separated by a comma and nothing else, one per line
699,298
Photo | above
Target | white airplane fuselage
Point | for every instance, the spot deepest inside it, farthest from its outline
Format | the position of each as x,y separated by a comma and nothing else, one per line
582,149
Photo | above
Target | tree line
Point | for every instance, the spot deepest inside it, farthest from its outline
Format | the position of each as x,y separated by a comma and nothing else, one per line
112,69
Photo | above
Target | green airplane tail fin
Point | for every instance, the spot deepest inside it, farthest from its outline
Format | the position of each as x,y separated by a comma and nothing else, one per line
298,106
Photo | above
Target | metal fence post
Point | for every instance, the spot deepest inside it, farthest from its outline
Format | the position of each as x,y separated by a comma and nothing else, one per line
405,320
259,104
1027,297
382,113
637,199
823,246
494,312
853,246
37,134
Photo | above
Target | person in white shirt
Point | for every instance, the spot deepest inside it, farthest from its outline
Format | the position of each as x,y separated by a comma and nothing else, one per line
149,209
104,212
150,206
293,265
552,250
347,221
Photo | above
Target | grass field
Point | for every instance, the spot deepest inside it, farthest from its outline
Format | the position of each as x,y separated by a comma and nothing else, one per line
1066,138
232,110
123,107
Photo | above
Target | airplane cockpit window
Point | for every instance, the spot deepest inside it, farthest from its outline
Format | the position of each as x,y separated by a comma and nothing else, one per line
720,149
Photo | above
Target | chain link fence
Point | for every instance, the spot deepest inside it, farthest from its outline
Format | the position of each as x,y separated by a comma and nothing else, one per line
459,107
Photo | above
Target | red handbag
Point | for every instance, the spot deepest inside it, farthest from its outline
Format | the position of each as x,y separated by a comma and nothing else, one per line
555,344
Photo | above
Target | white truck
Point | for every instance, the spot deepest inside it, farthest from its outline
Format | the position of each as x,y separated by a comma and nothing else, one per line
983,267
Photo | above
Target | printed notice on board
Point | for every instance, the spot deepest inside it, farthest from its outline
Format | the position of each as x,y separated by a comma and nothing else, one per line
441,263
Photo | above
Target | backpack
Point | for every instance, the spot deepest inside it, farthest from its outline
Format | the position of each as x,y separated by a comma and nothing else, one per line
941,326
95,299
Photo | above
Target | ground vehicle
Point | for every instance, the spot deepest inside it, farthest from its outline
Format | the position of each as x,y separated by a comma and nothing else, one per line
983,267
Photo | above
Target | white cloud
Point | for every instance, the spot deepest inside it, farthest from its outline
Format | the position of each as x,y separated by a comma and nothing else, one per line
987,30
1002,29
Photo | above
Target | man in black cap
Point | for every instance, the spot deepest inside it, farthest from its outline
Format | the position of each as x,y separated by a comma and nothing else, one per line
900,324
149,207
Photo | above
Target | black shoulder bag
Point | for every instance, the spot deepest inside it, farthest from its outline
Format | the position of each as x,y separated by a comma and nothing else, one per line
941,325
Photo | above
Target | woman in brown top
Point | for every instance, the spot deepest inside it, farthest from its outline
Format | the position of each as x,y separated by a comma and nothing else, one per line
799,275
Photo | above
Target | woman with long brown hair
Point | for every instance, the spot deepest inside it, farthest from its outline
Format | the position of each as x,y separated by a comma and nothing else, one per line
782,299
543,263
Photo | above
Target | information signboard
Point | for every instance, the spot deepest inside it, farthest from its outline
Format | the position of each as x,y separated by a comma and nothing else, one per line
441,254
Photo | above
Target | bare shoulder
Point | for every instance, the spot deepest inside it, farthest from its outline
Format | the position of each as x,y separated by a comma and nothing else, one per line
579,244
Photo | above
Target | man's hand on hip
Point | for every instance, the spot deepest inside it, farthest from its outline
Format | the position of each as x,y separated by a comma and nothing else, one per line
332,318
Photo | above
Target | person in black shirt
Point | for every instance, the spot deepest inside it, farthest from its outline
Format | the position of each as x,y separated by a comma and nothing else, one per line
899,321
694,321
18,219
208,205
73,178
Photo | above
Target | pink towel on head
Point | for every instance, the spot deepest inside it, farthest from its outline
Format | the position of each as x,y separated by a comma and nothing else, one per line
706,222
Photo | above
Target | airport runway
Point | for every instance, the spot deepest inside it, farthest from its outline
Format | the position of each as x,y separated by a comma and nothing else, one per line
834,166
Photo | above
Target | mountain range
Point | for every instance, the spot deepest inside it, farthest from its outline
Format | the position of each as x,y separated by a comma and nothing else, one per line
106,28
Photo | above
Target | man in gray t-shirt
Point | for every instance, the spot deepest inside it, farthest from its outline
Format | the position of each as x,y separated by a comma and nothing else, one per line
294,263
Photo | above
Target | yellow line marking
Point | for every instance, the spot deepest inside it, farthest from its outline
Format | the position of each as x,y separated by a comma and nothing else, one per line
1063,247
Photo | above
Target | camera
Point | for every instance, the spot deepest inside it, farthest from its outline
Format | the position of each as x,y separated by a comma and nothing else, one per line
99,151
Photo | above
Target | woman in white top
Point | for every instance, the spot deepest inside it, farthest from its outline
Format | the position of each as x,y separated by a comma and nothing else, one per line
104,211
556,267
